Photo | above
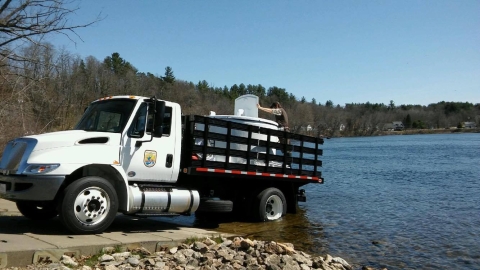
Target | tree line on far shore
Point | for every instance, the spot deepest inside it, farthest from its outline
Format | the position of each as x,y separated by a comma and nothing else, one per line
50,93
45,89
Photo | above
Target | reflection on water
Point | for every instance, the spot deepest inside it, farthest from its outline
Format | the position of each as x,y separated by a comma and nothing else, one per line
292,228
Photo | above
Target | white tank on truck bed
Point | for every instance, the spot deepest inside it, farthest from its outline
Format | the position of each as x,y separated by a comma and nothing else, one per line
246,112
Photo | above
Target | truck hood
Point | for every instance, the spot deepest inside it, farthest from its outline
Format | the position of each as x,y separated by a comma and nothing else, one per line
73,137
72,149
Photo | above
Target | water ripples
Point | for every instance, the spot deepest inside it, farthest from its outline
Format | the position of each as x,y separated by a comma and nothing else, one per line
403,202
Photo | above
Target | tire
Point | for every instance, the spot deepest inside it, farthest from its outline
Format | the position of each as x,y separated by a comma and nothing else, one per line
37,210
215,205
270,204
89,205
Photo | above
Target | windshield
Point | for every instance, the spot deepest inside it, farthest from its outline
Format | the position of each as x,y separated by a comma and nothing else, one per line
107,116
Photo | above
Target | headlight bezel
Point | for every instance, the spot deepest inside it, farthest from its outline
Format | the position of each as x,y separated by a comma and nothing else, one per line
36,169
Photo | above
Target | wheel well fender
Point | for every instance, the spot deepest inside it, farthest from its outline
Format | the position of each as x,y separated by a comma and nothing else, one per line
114,174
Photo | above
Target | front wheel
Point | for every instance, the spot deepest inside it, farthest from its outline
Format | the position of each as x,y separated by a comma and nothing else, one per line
89,205
270,205
37,210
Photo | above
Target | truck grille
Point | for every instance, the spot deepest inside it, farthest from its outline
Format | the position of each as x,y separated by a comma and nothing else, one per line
12,156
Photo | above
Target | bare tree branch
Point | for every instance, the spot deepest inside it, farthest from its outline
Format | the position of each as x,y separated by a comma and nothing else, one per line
25,19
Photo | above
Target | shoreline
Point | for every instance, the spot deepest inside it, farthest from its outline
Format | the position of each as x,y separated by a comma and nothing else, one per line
408,132
207,251
205,254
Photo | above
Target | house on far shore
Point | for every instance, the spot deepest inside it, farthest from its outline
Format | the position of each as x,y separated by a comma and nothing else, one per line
394,126
398,125
469,125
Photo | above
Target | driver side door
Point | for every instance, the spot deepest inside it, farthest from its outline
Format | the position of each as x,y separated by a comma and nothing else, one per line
145,160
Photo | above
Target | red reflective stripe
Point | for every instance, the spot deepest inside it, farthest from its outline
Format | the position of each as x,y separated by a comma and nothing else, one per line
256,173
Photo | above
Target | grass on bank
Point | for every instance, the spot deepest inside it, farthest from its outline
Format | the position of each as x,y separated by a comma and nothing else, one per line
93,260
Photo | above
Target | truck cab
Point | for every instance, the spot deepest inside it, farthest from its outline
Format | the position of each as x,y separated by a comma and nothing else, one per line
146,132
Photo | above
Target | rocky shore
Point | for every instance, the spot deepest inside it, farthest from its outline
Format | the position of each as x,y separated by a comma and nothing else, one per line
205,254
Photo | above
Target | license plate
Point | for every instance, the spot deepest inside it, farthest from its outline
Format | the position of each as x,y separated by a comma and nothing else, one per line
3,188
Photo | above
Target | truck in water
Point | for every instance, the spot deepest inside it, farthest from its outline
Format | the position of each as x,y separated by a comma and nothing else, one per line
140,156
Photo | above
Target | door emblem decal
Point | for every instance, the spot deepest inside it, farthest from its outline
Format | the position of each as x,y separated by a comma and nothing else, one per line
150,158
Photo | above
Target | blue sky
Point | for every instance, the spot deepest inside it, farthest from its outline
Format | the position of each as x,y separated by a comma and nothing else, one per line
411,52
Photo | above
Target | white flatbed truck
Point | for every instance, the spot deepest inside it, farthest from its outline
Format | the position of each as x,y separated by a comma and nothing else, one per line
141,156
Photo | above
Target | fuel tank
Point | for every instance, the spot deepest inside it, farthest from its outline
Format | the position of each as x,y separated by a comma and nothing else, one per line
162,200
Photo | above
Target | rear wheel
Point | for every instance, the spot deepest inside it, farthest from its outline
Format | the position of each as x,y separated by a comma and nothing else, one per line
37,210
89,205
215,205
211,208
270,205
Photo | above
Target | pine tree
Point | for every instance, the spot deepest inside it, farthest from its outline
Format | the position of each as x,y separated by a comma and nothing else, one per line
117,64
168,78
408,121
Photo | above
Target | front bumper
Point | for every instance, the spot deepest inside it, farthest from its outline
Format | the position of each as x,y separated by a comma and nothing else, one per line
30,187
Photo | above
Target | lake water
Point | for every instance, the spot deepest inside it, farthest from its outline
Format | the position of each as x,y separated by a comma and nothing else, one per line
401,202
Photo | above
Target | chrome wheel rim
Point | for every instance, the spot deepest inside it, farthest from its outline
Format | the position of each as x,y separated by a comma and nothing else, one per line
274,207
92,206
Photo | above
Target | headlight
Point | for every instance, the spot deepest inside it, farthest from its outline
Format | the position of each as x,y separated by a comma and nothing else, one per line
40,168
